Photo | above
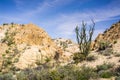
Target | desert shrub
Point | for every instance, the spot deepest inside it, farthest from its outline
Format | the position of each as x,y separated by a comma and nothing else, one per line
85,73
103,45
16,51
8,39
78,57
7,76
105,74
116,54
7,51
117,78
47,59
16,60
14,69
31,74
91,58
7,62
39,59
73,73
84,39
3,55
107,52
54,75
38,62
5,24
104,70
21,76
115,42
116,71
64,44
68,72
104,66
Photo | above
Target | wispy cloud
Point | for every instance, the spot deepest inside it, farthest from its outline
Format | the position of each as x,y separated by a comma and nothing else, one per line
63,23
41,7
66,22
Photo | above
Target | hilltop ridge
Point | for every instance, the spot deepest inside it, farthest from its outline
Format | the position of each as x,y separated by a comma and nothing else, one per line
28,43
111,35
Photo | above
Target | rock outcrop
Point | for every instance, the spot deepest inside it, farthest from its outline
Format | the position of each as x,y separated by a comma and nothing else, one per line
29,43
68,47
111,35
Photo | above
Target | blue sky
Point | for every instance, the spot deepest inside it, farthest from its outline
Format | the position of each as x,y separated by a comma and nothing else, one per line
60,17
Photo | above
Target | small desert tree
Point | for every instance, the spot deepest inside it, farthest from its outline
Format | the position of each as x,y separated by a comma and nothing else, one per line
84,38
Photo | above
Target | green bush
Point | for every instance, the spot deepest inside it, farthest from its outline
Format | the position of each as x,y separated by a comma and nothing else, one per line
107,52
105,74
7,76
91,58
104,66
117,78
78,57
116,71
7,51
115,42
103,45
86,73
7,62
16,60
68,72
21,76
47,59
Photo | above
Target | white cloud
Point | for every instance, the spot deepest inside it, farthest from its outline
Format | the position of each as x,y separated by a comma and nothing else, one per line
67,22
64,24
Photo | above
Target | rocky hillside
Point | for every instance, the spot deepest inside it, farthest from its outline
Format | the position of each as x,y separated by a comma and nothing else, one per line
111,36
26,45
68,47
27,52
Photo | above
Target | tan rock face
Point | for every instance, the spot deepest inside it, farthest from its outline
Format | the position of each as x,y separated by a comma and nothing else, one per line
32,35
32,43
110,35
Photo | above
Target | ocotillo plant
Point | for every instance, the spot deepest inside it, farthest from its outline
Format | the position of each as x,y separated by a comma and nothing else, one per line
84,38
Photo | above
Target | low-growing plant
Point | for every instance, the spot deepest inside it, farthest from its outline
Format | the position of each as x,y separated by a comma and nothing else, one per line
86,73
64,45
116,54
105,74
47,59
117,78
5,24
16,60
103,45
104,66
3,55
91,58
16,51
7,76
7,51
116,71
115,42
107,52
68,72
21,76
38,62
78,57
8,39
